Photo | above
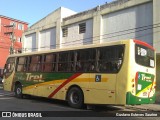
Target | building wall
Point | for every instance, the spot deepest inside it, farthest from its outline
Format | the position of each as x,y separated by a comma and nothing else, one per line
47,39
122,19
156,41
75,38
17,32
157,72
5,39
156,23
47,32
134,22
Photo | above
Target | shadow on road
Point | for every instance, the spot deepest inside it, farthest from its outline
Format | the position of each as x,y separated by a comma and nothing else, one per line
96,108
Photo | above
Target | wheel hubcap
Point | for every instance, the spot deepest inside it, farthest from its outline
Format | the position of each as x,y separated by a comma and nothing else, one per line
75,98
18,91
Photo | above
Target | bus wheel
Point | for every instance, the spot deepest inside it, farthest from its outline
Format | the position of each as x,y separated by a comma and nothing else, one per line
18,91
75,97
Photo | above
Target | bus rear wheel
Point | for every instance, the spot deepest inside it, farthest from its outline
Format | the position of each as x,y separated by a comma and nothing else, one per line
75,98
18,91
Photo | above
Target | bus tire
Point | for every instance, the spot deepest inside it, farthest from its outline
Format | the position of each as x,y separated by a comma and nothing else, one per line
75,98
18,91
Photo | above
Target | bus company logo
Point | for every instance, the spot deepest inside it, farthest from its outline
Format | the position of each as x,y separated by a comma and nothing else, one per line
36,78
146,78
6,114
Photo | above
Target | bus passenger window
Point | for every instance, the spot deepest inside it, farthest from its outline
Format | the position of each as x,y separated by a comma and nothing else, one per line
49,63
21,65
78,65
110,58
91,67
35,63
63,62
86,60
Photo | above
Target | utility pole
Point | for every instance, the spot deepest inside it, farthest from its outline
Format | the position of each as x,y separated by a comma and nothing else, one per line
11,50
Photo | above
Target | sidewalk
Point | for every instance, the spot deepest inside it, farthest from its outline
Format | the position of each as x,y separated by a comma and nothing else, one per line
152,107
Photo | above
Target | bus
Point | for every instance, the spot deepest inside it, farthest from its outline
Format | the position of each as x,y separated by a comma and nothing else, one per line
117,73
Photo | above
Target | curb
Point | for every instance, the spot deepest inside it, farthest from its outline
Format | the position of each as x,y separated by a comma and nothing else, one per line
146,107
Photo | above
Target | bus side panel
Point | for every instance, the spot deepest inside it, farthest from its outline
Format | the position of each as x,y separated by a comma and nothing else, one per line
81,81
97,88
123,77
101,89
44,84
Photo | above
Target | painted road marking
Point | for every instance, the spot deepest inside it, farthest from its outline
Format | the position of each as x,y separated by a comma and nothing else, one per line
6,94
6,98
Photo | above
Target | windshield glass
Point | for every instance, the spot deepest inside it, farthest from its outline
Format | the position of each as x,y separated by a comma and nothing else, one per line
144,56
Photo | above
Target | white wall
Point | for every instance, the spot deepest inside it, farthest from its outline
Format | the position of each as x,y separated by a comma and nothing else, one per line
47,39
30,42
121,24
65,12
74,38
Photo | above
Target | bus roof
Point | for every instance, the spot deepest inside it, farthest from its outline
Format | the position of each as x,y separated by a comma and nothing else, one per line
75,48
144,44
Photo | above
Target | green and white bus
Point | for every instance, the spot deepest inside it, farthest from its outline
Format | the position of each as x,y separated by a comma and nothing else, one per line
120,73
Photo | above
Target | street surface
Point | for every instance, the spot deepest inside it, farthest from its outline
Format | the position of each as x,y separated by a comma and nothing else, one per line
57,108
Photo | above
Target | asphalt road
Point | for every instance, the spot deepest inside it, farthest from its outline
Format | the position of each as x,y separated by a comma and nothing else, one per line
55,108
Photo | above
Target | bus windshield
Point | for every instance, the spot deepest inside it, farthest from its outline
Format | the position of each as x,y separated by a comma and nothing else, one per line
144,56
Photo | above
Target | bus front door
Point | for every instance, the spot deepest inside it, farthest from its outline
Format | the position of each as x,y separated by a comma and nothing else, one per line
9,74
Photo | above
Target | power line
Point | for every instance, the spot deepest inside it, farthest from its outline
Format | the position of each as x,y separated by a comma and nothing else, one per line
138,29
143,28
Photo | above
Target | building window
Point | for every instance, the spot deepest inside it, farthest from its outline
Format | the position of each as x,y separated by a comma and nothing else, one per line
82,28
14,37
14,23
65,32
19,39
20,27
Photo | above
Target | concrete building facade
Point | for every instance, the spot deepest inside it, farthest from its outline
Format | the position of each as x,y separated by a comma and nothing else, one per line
46,33
121,19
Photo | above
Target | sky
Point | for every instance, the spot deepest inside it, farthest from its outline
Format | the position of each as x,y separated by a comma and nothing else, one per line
31,11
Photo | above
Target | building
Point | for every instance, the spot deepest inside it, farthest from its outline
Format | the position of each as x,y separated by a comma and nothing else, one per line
121,19
6,30
46,33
